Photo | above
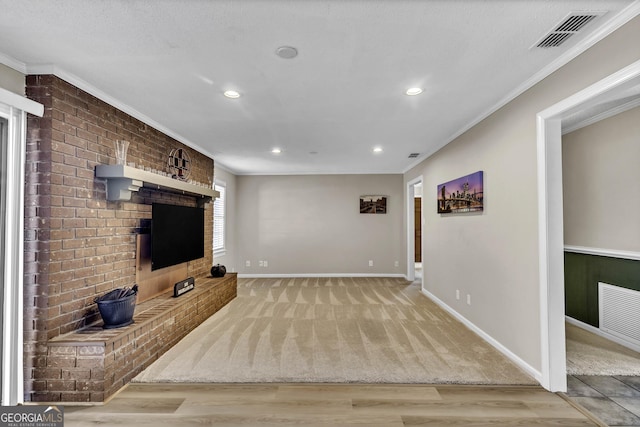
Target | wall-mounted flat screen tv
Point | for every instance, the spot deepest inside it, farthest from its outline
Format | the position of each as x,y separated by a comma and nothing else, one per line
177,234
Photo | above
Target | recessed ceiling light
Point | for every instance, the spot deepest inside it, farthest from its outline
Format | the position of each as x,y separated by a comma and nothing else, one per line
377,150
231,94
287,52
413,91
276,151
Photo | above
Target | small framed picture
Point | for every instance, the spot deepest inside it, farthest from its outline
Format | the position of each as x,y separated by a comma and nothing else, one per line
373,204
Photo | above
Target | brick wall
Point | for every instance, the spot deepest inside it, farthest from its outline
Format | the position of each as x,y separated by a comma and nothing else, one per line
77,244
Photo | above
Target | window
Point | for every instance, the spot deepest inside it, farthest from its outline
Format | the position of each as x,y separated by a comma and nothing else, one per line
219,219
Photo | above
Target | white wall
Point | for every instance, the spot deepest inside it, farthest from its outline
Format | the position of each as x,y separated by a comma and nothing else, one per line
228,259
310,224
493,256
601,184
12,80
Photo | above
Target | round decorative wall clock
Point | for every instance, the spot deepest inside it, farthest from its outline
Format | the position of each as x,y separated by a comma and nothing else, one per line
179,164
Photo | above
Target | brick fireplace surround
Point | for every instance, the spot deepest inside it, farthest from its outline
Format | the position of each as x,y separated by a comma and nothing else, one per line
78,246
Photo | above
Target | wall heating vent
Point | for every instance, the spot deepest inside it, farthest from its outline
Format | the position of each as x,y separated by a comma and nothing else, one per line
565,29
413,155
619,312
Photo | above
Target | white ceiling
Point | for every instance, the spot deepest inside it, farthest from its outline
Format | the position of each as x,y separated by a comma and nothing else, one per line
167,62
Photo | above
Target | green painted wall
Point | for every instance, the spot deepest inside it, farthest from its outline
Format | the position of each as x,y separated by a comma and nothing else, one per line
581,276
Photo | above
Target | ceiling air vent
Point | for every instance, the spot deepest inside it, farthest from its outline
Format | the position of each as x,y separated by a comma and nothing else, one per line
568,27
413,155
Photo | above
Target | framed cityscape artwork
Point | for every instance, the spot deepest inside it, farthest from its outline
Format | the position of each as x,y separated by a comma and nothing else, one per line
461,195
373,204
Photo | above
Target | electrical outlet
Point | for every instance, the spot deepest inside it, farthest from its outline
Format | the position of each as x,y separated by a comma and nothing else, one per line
468,299
266,263
247,263
260,263
396,264
370,263
457,293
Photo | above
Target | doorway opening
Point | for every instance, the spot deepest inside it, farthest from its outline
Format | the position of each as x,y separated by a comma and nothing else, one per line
414,230
614,88
417,229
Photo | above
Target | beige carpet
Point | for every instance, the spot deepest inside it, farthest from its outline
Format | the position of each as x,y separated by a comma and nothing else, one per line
373,330
590,354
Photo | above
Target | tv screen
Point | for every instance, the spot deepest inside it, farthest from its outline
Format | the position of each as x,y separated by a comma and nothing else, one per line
177,234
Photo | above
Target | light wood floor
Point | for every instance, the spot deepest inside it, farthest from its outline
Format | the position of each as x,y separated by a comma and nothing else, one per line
329,405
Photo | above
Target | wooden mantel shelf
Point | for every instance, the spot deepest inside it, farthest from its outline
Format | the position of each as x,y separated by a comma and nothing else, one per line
122,180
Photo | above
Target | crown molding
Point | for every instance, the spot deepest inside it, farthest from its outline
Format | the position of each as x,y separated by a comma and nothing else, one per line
92,90
13,63
600,33
316,173
609,27
221,166
313,275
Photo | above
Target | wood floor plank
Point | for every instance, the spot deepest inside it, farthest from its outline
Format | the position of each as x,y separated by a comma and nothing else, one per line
119,420
483,408
492,422
559,409
357,391
474,393
253,407
322,405
139,405
240,420
151,390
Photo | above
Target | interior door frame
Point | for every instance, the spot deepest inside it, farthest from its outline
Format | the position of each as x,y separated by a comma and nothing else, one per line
550,217
411,265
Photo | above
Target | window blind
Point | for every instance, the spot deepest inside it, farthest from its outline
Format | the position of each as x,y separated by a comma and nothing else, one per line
219,218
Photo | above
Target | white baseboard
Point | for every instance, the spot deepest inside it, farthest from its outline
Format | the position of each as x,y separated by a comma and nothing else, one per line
536,374
602,333
286,276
